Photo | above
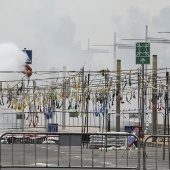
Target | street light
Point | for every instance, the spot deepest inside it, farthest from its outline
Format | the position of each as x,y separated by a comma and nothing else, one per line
93,50
120,46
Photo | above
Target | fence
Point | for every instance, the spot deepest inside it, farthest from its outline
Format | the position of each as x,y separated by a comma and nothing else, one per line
158,157
73,119
70,150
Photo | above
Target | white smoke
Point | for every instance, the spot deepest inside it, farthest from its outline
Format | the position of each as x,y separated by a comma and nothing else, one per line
12,61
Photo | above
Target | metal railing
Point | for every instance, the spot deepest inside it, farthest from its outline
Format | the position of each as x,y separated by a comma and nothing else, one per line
69,150
158,156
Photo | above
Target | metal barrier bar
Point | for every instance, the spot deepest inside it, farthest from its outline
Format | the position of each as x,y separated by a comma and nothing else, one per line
104,156
58,155
24,149
116,150
156,160
127,152
35,149
70,151
92,154
12,149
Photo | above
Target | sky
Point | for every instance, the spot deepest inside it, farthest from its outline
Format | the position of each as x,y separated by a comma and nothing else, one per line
58,31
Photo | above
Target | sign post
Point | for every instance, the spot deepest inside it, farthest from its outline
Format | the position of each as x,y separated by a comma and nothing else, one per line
142,57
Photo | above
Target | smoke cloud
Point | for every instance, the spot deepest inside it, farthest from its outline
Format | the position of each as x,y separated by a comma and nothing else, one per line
12,59
50,36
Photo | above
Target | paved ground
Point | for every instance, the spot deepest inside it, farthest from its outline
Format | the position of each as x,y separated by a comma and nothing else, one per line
52,155
41,154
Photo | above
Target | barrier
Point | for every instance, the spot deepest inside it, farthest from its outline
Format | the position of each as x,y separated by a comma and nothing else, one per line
159,156
69,151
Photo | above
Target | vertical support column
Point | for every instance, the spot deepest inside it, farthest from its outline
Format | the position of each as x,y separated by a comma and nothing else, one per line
154,98
118,96
63,99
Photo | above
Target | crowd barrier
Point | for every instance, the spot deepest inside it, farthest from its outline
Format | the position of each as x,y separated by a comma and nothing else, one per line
70,150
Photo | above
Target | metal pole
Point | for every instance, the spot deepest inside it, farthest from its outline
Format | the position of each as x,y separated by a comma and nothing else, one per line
87,105
167,97
167,107
146,40
107,114
143,112
166,113
63,99
23,110
105,102
139,109
83,97
154,98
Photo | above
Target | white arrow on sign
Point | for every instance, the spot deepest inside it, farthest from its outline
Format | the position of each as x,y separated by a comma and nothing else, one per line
142,60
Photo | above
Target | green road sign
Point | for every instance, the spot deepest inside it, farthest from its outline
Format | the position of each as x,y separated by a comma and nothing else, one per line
142,53
142,60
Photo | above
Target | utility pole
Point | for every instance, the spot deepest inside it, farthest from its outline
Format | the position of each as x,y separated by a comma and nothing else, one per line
118,96
106,101
166,118
154,98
